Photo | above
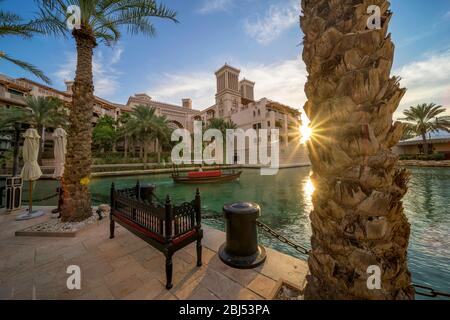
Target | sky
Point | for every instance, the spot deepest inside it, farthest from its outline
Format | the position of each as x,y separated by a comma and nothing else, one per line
260,37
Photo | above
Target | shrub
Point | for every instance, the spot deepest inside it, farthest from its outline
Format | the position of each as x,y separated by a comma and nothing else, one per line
422,157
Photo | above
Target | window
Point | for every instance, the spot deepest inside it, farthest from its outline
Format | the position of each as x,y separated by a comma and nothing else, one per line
268,124
14,92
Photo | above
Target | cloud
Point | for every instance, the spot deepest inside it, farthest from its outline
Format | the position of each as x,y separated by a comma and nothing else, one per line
447,15
197,85
106,75
209,6
277,19
427,80
282,81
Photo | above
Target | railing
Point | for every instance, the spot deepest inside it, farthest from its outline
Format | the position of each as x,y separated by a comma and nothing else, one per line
163,219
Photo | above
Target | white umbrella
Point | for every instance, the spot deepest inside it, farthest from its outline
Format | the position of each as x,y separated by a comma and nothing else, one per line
60,143
31,170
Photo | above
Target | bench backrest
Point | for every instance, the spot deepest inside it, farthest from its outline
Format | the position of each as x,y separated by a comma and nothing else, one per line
165,221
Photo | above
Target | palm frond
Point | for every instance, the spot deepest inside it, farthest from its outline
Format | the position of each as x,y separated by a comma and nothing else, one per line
12,24
51,18
26,66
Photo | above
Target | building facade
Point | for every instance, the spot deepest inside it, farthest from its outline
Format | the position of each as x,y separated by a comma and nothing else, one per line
438,142
234,101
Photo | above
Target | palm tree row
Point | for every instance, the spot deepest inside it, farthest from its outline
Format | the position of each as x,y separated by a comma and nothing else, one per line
40,112
142,127
145,127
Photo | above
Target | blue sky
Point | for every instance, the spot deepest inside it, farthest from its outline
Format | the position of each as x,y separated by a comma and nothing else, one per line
261,37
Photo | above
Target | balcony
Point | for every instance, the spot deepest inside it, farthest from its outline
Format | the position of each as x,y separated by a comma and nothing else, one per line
11,98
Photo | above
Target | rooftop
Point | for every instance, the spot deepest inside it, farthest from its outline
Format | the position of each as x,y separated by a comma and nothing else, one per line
440,136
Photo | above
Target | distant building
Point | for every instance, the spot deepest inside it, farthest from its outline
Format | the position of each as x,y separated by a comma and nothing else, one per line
235,101
438,142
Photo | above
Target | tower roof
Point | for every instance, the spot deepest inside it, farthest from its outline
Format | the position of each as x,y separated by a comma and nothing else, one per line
226,66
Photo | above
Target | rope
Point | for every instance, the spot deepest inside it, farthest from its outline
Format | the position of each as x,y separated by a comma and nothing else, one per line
429,292
42,199
282,238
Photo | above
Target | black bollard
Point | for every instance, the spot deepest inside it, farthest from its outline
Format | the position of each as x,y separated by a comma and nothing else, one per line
241,249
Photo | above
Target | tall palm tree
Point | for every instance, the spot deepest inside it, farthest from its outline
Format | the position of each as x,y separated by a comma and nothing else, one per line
142,126
104,135
161,134
101,21
358,219
13,25
221,124
424,118
41,112
123,132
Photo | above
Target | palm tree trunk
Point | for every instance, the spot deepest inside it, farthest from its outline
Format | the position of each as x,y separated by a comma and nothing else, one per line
425,144
145,148
77,200
125,155
358,219
158,151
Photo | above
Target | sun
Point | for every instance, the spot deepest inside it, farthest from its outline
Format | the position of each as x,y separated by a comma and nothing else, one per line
305,133
305,130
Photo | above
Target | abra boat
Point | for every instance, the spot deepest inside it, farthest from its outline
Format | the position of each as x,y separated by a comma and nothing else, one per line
206,177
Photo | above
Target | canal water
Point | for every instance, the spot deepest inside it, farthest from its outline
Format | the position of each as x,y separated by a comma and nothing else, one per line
285,200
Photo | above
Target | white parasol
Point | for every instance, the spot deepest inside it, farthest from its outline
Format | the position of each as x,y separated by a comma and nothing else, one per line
31,170
60,143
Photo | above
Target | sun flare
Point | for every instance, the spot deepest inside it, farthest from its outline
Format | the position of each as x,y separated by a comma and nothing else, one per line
305,130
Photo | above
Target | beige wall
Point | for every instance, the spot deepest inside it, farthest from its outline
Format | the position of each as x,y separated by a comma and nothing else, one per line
414,149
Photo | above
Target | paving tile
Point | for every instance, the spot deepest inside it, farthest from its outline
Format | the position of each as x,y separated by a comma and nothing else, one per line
241,276
263,286
202,293
249,295
102,292
220,285
148,291
125,287
280,266
166,296
123,273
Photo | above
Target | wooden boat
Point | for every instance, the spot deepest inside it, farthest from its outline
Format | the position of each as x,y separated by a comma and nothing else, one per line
206,177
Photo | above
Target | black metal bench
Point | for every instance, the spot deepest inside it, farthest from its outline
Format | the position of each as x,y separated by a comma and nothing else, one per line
166,227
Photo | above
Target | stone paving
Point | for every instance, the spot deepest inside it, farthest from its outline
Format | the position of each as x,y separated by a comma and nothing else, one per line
128,268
